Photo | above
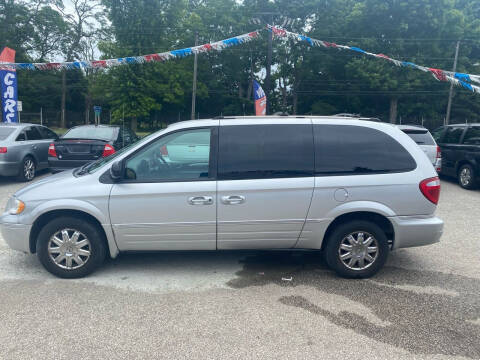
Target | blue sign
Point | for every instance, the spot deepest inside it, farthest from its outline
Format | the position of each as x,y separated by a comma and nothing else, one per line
8,79
97,109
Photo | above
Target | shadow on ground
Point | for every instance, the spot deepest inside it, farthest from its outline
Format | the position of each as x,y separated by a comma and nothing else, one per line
12,180
427,312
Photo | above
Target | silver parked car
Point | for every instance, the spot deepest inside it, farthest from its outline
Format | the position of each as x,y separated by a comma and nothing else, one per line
24,149
425,140
352,188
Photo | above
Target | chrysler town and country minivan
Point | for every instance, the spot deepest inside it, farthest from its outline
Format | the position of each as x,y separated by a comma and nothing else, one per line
354,189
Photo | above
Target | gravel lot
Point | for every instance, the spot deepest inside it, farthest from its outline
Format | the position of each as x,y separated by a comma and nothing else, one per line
424,304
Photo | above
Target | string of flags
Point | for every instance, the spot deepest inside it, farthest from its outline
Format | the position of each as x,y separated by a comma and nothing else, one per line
159,57
459,79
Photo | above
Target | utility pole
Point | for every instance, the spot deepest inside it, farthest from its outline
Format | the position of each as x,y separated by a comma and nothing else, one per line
269,65
450,94
194,90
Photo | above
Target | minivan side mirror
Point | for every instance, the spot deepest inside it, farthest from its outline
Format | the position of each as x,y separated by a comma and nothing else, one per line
116,170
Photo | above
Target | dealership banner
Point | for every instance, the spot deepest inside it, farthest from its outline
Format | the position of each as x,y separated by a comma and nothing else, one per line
8,79
260,99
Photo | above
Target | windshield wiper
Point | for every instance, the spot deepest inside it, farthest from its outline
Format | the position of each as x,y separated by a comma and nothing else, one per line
84,168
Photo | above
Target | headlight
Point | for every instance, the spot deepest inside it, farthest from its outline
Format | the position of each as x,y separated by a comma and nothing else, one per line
15,206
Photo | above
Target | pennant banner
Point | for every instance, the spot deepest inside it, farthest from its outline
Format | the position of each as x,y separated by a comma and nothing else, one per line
459,79
260,99
8,88
95,64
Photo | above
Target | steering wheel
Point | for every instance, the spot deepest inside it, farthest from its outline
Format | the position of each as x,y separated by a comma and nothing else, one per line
162,159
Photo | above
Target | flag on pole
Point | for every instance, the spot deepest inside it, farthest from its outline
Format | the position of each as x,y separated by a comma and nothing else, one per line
8,86
260,99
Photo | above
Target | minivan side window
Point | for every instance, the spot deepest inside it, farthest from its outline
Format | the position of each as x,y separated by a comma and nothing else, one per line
357,150
179,156
472,136
453,135
265,151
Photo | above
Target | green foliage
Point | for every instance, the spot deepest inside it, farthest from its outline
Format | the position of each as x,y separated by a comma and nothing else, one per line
306,80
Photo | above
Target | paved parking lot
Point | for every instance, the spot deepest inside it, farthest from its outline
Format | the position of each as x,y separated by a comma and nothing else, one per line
250,305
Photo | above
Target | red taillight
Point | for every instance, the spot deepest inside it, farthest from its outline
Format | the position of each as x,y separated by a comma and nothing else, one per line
439,152
51,150
108,150
164,150
3,150
430,188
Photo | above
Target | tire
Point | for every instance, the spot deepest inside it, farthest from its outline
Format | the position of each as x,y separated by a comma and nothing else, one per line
340,237
466,177
50,251
27,169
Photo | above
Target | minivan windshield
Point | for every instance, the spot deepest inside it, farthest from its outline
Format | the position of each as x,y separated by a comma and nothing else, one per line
94,166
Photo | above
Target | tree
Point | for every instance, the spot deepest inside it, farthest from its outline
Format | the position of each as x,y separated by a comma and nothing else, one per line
83,24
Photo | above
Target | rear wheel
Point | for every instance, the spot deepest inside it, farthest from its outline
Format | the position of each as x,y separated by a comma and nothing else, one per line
466,177
357,249
70,248
27,170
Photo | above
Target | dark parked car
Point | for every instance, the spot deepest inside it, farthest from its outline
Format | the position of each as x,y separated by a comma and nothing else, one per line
460,145
82,144
23,149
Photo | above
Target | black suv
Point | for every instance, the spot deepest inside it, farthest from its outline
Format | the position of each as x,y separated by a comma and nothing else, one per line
460,145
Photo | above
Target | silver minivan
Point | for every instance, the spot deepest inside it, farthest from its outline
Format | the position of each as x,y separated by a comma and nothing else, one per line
354,189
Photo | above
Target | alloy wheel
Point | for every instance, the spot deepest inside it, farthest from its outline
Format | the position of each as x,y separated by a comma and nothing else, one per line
29,169
358,250
69,249
465,176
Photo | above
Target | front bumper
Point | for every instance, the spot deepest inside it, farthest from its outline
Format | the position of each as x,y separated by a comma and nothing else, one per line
17,236
413,231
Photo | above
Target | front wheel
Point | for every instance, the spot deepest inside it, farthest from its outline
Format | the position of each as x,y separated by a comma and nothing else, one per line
357,249
466,177
70,248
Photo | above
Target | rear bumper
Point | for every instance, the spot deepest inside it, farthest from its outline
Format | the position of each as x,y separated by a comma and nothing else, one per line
9,168
413,231
17,236
57,165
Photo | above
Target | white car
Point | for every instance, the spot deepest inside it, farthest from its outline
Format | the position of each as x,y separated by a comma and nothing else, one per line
424,139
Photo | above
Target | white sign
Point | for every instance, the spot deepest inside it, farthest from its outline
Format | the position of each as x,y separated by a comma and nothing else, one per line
19,105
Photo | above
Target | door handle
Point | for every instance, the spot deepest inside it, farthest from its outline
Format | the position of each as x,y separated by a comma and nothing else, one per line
233,199
200,200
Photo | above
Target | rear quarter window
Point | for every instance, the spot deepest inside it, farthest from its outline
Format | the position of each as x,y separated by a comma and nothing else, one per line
357,150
